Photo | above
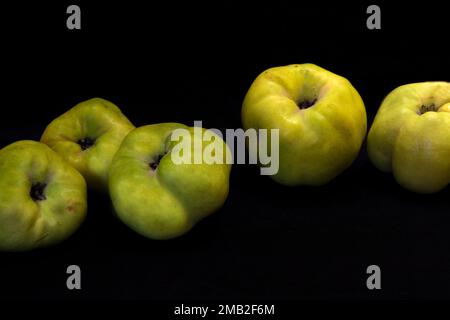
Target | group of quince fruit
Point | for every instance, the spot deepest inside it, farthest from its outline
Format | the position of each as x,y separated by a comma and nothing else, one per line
322,124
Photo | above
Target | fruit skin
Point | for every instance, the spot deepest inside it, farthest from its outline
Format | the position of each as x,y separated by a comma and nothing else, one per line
26,223
414,146
167,202
317,143
97,119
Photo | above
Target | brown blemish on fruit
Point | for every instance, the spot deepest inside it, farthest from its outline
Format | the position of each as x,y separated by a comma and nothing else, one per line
71,208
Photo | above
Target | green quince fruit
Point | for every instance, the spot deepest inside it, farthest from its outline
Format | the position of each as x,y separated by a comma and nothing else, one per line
320,116
42,198
161,198
410,136
88,136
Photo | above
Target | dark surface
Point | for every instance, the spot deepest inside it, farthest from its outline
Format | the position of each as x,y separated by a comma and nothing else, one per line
184,63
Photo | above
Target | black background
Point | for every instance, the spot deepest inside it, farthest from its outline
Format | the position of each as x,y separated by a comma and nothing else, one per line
186,62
